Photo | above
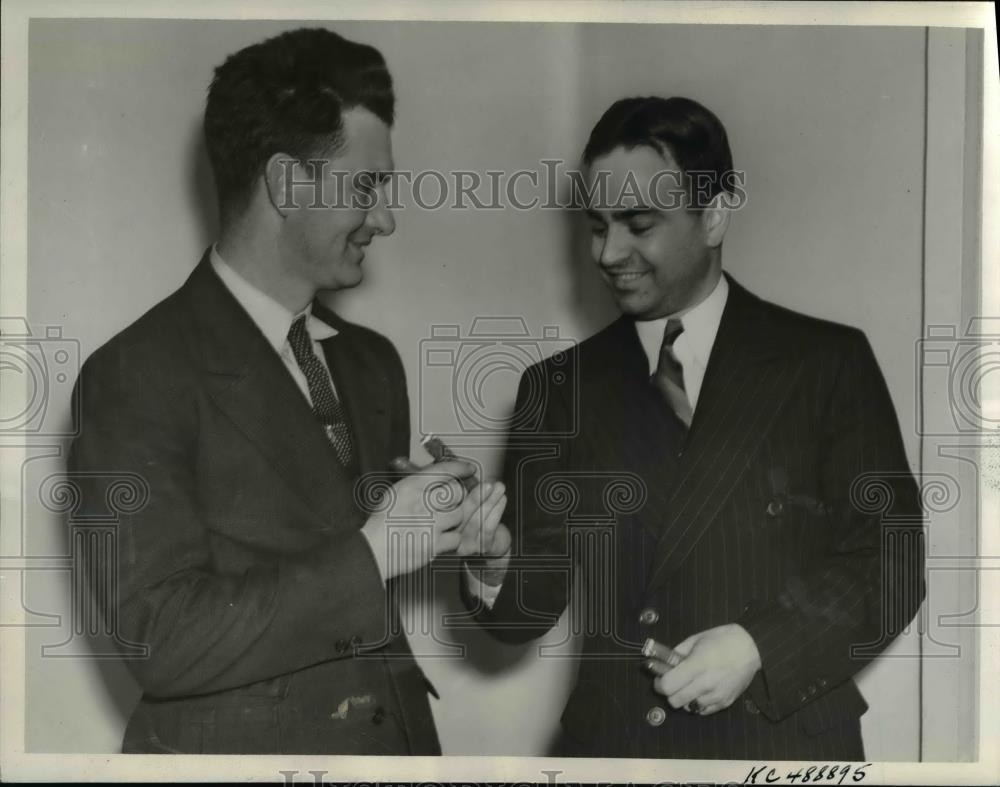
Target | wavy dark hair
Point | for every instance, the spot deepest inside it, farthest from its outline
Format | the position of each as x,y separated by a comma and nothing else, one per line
287,94
693,136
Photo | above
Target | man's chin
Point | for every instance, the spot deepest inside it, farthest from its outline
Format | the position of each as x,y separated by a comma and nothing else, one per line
343,282
633,305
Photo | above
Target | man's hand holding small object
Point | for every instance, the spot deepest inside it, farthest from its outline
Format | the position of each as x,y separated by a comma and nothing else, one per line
705,673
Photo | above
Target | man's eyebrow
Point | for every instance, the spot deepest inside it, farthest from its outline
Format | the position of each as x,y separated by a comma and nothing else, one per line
631,213
620,215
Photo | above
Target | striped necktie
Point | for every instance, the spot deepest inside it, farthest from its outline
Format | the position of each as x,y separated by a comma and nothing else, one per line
669,374
326,406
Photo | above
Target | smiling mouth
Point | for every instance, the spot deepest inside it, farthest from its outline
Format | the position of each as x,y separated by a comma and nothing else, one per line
626,277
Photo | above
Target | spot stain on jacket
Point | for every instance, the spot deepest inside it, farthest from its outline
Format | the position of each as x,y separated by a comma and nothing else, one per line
356,701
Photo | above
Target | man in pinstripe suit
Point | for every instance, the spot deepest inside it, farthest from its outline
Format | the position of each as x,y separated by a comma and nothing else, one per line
748,571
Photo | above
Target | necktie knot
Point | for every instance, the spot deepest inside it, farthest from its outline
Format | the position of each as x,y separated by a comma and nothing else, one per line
298,338
674,329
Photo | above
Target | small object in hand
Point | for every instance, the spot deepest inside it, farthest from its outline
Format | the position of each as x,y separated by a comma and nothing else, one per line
436,447
440,452
694,706
401,464
651,649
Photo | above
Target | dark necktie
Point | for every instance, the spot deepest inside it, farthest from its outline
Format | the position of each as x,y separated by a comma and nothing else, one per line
326,405
669,374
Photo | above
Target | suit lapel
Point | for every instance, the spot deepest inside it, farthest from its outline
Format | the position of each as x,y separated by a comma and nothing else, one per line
250,384
749,376
628,426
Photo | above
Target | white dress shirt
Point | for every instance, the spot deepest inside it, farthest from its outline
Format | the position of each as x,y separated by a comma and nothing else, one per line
274,320
692,347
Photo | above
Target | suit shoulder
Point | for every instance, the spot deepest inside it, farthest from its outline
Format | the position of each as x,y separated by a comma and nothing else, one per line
810,332
607,342
362,333
368,338
149,343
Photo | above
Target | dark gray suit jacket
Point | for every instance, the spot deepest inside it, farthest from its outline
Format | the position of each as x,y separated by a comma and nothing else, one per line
788,508
268,625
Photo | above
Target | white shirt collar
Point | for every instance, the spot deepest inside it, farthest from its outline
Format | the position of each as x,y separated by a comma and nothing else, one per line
701,324
273,319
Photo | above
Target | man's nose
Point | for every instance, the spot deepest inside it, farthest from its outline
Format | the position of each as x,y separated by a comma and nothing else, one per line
380,219
616,247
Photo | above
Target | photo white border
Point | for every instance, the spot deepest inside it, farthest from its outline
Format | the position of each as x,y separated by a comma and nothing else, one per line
16,765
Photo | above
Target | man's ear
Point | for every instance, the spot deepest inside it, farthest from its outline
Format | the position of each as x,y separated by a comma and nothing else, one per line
280,178
715,219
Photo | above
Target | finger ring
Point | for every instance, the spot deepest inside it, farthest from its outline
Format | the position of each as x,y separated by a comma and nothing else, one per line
694,706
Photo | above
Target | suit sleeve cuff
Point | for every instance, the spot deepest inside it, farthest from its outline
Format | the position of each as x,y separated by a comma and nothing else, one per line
770,632
478,589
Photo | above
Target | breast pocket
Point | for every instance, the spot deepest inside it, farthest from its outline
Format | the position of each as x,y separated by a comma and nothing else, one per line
790,499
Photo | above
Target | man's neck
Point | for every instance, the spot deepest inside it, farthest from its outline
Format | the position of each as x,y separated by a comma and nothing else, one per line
704,288
258,262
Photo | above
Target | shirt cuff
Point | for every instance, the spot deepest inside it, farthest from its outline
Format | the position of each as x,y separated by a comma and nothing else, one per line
485,592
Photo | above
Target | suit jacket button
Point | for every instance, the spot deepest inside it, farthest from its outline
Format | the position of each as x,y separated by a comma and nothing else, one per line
751,706
655,716
812,690
340,645
774,508
378,715
822,683
355,641
649,616
803,697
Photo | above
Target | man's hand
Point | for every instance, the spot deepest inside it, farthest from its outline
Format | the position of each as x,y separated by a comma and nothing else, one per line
485,540
483,534
432,498
716,667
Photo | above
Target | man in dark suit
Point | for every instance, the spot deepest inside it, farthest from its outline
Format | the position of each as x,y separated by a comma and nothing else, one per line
727,475
258,572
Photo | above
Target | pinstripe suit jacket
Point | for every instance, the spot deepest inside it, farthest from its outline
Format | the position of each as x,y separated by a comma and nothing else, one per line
788,507
245,572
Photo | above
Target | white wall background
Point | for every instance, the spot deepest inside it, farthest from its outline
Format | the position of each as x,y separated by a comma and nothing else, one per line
827,122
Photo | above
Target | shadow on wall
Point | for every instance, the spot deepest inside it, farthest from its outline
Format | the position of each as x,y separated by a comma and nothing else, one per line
201,188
